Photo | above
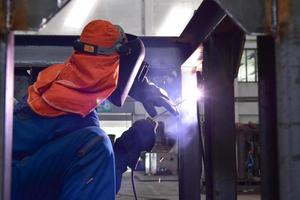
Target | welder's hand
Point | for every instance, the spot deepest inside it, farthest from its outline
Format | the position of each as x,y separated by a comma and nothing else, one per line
152,96
140,137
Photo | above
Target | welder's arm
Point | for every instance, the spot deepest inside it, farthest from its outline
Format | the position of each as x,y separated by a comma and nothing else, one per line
140,137
151,96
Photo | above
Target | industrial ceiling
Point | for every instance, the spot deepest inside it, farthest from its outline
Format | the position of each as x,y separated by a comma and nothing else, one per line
143,17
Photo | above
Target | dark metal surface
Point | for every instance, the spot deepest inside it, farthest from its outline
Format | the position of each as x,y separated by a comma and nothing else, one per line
252,16
6,108
241,155
268,117
228,26
189,162
190,153
204,21
37,56
165,52
219,127
211,18
288,98
32,14
42,51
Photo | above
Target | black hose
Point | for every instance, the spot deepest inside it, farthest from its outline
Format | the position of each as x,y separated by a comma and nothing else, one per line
133,186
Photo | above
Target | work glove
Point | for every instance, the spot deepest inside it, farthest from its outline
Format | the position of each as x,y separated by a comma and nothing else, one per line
151,96
138,138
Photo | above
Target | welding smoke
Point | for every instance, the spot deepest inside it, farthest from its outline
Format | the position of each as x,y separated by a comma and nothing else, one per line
185,126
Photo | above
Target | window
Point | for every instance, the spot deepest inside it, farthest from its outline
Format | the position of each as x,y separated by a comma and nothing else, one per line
248,66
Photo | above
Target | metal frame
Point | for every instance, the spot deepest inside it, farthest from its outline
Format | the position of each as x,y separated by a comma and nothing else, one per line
223,42
212,24
279,111
219,129
6,111
268,117
6,100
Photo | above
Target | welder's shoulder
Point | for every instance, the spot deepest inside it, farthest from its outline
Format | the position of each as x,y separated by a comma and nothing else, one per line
97,139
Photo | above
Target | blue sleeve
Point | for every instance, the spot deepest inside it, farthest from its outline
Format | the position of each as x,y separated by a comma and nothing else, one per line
121,160
32,131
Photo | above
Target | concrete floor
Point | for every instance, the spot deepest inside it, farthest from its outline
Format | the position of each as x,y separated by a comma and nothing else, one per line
150,189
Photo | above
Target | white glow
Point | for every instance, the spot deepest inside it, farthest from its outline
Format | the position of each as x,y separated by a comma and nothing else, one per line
195,60
190,91
190,95
193,93
176,20
79,13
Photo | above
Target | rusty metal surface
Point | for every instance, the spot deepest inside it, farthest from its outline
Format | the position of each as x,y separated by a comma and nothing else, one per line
32,14
2,12
288,18
3,7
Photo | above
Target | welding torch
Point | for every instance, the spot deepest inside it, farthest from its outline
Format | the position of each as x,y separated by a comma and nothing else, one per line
152,119
162,113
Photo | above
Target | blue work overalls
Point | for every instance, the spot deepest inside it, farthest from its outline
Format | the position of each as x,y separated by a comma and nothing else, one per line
66,157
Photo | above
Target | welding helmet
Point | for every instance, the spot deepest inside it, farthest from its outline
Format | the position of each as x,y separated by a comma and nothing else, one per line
107,39
132,68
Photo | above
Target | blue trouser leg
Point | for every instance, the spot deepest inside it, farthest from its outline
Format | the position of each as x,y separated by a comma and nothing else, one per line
79,166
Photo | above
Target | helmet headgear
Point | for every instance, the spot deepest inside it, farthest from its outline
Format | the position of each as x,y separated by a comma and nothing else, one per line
100,37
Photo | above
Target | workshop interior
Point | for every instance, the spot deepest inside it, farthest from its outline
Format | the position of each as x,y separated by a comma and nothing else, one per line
230,67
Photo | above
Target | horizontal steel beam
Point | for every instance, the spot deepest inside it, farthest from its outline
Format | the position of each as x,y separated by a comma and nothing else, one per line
42,51
205,20
254,17
32,14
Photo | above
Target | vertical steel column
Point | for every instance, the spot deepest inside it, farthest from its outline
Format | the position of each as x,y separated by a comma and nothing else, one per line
6,108
6,98
190,154
267,117
218,68
190,165
288,98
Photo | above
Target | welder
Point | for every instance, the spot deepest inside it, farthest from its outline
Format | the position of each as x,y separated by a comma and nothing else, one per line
59,149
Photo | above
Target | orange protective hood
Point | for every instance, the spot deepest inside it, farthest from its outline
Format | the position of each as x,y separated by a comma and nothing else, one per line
76,86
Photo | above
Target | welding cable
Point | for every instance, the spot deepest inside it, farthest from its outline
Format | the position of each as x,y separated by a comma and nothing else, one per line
203,157
132,182
133,185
